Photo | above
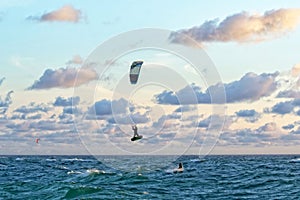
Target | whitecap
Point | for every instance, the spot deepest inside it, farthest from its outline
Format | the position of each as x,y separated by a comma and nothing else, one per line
95,171
62,167
74,172
295,160
72,159
51,159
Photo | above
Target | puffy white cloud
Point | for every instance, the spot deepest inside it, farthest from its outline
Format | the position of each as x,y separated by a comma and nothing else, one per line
64,78
77,60
295,70
66,13
242,27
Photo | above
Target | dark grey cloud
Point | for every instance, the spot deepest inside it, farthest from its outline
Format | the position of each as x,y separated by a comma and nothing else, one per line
289,94
268,127
47,125
244,137
296,131
283,107
4,103
71,110
36,116
1,80
216,122
250,87
204,123
241,27
261,136
107,107
288,127
32,108
164,121
64,78
184,108
249,115
246,113
135,118
71,101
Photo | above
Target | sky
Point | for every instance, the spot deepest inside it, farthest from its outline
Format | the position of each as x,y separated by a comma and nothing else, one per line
217,78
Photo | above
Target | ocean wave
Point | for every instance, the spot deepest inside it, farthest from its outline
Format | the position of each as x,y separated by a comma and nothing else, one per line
51,159
3,166
62,167
295,160
81,191
74,172
77,159
95,171
198,160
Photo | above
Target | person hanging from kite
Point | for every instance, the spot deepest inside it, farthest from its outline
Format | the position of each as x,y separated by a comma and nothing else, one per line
136,136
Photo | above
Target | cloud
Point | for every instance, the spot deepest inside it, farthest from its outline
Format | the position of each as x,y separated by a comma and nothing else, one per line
289,94
295,70
71,101
241,27
216,122
250,87
184,108
268,127
249,115
289,126
267,134
47,125
107,107
77,60
71,110
135,118
283,107
64,78
4,103
1,80
32,108
246,113
67,13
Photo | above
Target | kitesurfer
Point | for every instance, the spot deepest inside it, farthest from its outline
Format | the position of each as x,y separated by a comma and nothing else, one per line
134,128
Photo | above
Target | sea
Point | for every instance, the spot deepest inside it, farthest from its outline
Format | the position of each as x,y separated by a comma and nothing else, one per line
139,177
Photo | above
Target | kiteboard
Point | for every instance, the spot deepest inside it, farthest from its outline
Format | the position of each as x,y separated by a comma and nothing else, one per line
137,138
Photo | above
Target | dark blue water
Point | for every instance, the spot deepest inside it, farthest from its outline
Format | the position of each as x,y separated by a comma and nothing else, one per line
214,177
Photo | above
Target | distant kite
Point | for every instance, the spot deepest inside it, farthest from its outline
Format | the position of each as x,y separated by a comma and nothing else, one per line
135,71
37,140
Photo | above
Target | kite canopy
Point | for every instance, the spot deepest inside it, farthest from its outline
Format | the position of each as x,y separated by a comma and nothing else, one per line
135,71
